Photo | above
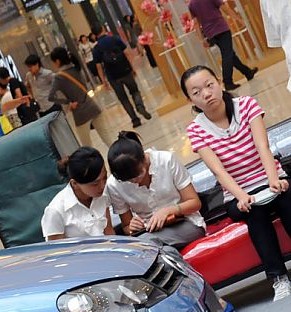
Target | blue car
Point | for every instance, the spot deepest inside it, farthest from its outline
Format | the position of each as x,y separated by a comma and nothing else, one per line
112,273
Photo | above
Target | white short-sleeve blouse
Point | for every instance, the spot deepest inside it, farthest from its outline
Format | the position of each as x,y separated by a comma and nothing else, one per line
169,176
66,215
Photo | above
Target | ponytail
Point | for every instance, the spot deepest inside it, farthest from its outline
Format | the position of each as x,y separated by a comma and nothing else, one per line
62,166
65,57
125,156
130,135
84,165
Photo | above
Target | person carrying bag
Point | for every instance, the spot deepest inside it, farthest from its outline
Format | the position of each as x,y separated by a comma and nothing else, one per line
84,109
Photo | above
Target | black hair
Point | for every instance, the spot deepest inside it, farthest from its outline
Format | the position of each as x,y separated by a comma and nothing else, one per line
33,59
130,21
4,73
96,29
125,156
81,36
65,58
90,37
3,86
226,96
84,165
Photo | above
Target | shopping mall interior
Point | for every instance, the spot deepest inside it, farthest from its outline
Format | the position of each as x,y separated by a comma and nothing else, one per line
38,26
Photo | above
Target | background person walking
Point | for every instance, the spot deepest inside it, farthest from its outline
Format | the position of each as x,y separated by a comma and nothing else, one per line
216,30
71,84
112,53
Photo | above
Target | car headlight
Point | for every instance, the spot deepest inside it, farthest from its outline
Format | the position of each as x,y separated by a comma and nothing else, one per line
118,295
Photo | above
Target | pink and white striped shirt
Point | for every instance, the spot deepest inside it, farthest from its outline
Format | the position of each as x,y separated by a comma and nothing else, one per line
234,146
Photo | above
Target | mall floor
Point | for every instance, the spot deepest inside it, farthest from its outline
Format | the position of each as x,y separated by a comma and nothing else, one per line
167,132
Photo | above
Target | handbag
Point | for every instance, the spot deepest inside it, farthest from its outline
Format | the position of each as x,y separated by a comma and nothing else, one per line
90,93
5,125
34,106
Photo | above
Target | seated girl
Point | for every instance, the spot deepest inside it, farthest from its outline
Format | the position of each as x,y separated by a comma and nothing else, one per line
230,136
148,187
80,209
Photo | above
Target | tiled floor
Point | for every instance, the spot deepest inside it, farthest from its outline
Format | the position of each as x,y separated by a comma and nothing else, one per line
168,132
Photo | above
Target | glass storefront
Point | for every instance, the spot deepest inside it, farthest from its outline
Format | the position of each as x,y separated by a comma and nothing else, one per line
24,33
36,31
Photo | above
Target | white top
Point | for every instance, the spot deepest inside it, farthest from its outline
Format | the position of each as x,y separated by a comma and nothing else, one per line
234,146
41,84
6,98
86,51
168,177
276,16
216,131
66,215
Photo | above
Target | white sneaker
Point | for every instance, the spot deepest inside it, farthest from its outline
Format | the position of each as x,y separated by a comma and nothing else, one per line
282,288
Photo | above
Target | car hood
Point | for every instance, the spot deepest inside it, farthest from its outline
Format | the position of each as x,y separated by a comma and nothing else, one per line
40,272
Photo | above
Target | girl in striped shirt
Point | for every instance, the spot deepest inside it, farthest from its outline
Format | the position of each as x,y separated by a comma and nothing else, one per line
230,136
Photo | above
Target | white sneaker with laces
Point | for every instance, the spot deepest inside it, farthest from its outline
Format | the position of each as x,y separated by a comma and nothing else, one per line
282,288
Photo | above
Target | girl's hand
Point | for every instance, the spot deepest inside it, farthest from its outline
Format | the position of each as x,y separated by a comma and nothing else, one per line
157,220
106,85
73,106
244,202
205,43
279,186
25,99
136,224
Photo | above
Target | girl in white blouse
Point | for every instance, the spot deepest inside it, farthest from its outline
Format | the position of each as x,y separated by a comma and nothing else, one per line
80,209
147,188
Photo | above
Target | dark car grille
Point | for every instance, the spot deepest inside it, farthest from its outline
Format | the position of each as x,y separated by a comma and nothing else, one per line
164,276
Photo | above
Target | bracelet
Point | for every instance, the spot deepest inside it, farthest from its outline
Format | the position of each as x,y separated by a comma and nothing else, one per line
179,210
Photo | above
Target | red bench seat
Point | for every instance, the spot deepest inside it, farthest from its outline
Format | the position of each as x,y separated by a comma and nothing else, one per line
227,251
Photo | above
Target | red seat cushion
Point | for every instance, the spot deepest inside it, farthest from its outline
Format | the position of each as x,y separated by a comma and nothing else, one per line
227,250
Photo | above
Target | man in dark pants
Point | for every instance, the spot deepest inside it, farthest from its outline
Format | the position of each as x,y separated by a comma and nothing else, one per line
216,30
39,83
111,52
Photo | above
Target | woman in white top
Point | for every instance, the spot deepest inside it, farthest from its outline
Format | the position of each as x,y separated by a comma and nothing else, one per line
147,188
9,105
86,50
80,209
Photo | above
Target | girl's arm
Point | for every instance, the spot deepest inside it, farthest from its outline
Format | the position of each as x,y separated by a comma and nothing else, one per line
18,93
54,95
262,144
29,88
128,34
131,224
57,236
102,75
199,33
225,179
109,228
189,204
14,103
